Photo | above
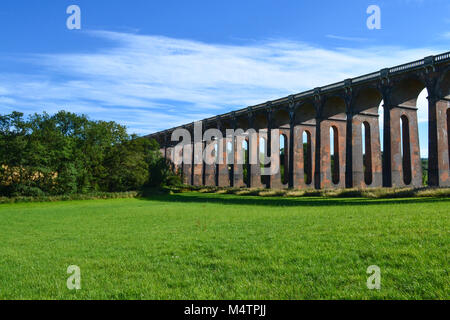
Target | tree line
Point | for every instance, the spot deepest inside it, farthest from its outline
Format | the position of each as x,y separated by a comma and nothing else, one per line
66,153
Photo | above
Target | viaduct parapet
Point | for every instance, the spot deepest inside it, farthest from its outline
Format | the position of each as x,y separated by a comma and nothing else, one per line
332,137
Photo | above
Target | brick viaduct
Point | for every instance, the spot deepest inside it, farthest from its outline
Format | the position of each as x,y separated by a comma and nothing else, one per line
349,110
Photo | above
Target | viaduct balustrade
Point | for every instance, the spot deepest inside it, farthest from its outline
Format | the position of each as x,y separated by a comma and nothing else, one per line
330,135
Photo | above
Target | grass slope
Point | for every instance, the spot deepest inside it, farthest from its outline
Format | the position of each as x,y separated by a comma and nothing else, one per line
209,246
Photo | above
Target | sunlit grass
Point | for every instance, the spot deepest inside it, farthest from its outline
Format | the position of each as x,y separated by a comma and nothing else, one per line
211,246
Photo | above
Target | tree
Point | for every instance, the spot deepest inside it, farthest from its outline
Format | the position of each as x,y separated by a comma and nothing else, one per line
68,153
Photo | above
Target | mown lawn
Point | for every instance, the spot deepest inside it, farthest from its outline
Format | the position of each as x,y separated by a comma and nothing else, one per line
209,246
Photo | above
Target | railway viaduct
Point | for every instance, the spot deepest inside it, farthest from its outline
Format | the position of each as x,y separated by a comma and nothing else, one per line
347,113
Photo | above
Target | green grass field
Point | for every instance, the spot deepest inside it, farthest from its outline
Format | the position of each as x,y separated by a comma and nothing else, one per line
209,246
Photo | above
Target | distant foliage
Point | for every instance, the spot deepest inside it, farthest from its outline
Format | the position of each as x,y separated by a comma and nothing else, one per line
67,154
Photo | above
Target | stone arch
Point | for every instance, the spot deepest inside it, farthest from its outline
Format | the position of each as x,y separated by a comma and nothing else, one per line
305,113
443,85
367,99
280,119
242,123
406,91
334,108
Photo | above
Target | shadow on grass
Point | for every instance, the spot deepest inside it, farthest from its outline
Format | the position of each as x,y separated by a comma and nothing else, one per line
284,202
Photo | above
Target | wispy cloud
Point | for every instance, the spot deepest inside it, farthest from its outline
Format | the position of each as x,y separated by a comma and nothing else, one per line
151,82
355,39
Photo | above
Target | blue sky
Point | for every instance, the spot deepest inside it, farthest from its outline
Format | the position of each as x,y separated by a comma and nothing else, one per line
156,64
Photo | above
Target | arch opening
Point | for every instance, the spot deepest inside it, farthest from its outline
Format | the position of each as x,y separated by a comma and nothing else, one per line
307,157
216,162
230,161
367,153
283,157
422,122
405,149
262,156
246,163
334,154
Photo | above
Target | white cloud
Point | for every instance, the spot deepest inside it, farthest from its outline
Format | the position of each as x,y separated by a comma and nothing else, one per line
345,38
152,83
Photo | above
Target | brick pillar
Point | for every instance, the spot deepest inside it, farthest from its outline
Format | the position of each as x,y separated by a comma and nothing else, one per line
255,169
209,171
373,153
299,156
326,178
223,178
413,156
277,182
238,173
177,157
264,180
438,147
197,174
187,164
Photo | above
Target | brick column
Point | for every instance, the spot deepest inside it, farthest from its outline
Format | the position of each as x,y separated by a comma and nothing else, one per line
276,179
209,172
326,176
255,169
299,156
187,164
413,156
223,177
238,173
373,155
198,155
438,145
